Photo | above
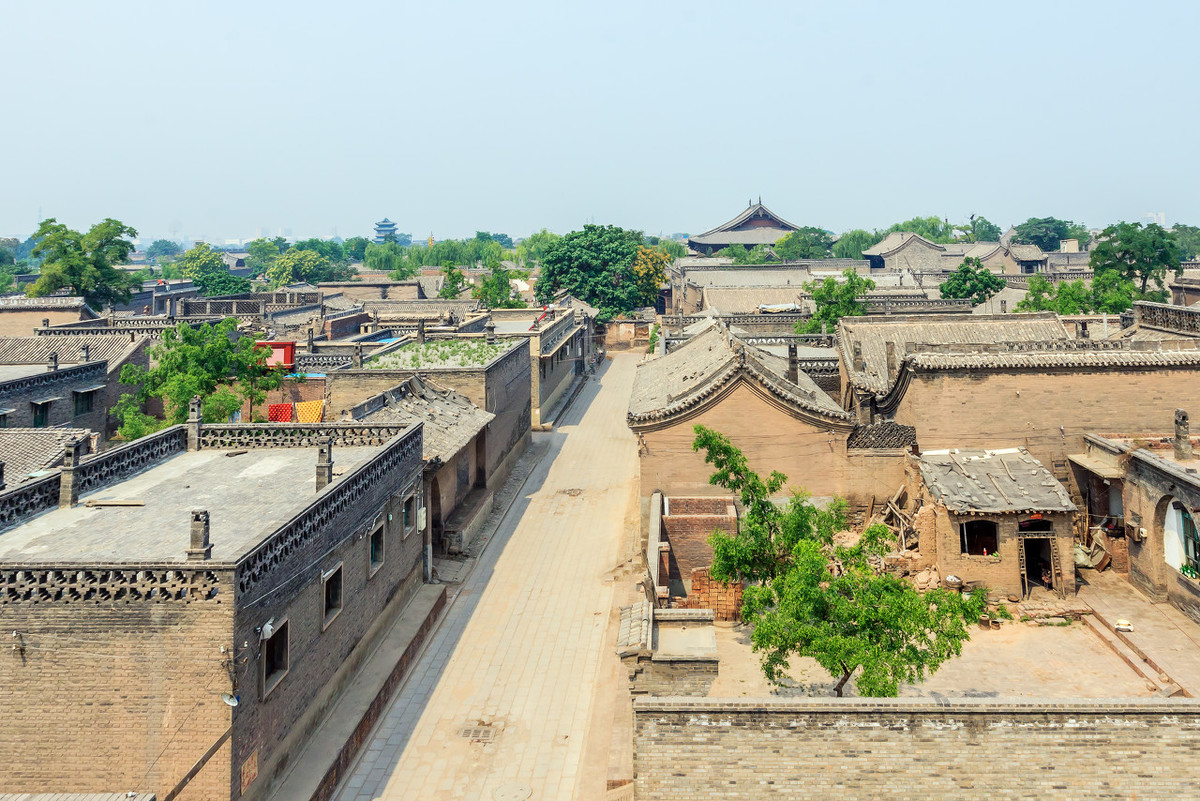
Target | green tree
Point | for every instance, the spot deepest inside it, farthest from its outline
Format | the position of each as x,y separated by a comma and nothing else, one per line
331,250
83,263
675,250
254,377
1137,254
355,248
759,254
978,229
453,281
206,268
281,244
262,253
1188,237
851,244
934,229
1112,293
1048,232
532,248
162,247
808,596
390,258
294,266
650,268
596,266
495,290
836,299
188,362
805,243
972,280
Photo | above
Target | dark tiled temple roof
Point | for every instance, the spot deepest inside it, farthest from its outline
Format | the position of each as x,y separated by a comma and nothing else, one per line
871,335
754,210
1026,252
26,450
991,482
886,434
706,363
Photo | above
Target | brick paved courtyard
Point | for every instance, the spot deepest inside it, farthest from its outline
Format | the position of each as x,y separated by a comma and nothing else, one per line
520,654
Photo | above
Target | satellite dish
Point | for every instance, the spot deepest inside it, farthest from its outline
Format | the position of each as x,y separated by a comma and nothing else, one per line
232,700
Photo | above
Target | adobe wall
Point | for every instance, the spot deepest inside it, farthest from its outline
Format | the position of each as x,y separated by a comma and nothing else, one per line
14,323
290,391
892,748
811,458
1002,574
688,533
62,408
119,693
1145,495
1005,409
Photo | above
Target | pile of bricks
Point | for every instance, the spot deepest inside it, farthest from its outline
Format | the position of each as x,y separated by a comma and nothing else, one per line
707,593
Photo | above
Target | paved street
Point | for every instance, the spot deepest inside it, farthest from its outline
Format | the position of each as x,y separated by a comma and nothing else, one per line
521,650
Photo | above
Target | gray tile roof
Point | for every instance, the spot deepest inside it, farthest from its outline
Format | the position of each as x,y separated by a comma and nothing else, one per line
1055,358
706,363
36,350
450,419
886,434
26,450
992,482
873,333
746,300
895,241
1026,252
421,309
754,210
749,276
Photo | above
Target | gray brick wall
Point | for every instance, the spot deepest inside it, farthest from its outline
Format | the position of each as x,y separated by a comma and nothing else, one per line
914,748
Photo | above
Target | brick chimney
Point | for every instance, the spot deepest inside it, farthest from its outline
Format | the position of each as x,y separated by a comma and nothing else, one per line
1183,437
45,322
1003,306
356,359
793,373
490,328
859,364
891,357
421,332
52,362
87,351
68,489
194,423
324,463
201,548
1,476
310,340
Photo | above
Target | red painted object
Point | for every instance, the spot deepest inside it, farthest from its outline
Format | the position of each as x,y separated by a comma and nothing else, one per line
283,354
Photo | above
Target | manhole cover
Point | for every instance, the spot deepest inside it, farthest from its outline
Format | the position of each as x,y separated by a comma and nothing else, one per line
512,792
478,734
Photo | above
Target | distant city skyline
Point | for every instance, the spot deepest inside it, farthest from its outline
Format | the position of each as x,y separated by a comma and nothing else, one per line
663,117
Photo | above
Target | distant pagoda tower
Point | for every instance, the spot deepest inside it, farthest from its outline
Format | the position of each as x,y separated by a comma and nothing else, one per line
383,230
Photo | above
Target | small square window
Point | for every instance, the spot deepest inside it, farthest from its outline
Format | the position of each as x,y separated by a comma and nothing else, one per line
410,514
375,551
3,421
41,414
83,402
275,657
332,585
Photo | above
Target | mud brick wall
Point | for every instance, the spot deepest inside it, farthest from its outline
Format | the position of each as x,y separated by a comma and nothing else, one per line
290,391
688,531
702,748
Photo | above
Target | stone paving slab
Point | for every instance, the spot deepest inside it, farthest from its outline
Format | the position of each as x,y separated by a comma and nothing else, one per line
519,651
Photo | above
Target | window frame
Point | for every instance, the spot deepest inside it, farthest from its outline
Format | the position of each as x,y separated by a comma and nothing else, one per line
373,565
44,406
270,682
1190,533
89,396
329,616
409,522
963,543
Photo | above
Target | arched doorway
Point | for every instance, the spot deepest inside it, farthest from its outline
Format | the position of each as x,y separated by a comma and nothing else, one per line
1181,541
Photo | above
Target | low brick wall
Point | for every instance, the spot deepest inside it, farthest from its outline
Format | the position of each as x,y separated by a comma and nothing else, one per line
700,748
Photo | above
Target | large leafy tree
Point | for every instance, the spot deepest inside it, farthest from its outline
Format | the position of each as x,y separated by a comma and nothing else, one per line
262,253
1109,293
495,290
533,248
207,270
596,266
851,244
162,247
741,254
972,280
453,281
355,248
836,299
1137,254
331,250
300,264
978,229
935,229
1048,232
805,243
208,361
809,597
83,263
650,268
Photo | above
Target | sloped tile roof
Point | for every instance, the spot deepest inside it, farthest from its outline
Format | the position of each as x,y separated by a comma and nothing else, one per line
895,241
746,300
754,210
1054,358
992,482
36,350
1026,252
871,335
704,364
450,419
886,434
26,450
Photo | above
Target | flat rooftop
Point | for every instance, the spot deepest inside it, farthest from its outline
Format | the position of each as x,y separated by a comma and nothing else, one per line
247,496
514,327
441,353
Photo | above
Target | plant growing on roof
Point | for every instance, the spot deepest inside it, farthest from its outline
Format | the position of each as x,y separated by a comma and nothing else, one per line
836,299
809,596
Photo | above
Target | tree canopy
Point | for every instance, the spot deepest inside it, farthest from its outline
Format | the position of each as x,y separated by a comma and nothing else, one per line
532,248
978,229
261,254
836,299
83,263
851,244
294,266
596,266
805,243
972,280
809,596
1048,232
1108,293
495,290
650,269
162,247
1137,254
935,229
740,254
355,248
207,270
453,281
203,361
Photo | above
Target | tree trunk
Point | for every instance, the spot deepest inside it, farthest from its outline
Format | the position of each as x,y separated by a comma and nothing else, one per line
837,690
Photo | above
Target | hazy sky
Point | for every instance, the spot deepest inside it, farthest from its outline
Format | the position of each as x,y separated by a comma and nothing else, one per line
217,119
